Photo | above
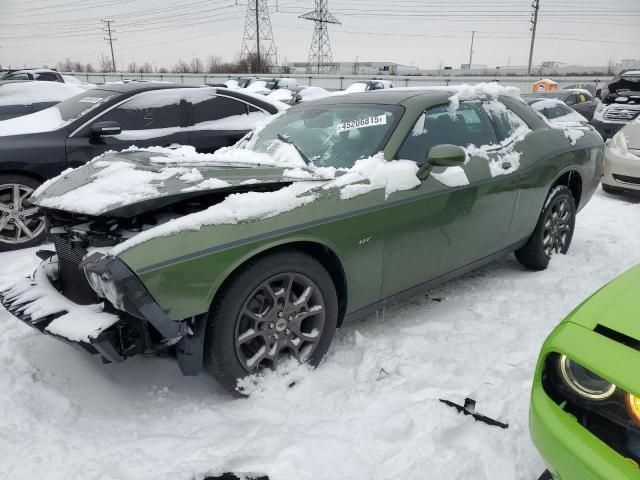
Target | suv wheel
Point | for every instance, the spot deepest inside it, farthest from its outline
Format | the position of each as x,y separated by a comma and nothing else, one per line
280,306
20,224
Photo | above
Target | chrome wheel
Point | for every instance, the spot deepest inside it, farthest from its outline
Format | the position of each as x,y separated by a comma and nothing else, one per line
19,220
557,228
282,317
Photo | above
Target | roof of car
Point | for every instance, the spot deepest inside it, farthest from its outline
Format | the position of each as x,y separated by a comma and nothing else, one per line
135,86
390,96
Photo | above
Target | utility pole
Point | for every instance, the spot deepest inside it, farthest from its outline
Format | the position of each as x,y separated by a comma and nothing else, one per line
110,39
473,34
534,25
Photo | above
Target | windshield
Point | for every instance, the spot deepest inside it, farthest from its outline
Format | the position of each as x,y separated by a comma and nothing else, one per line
330,135
82,103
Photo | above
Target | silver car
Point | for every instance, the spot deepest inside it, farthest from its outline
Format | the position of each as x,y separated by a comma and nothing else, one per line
622,160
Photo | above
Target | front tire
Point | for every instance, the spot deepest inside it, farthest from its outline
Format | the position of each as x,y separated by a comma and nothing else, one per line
281,305
554,230
20,224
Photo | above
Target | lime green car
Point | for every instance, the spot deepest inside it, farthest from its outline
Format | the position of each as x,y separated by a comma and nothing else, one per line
333,210
585,403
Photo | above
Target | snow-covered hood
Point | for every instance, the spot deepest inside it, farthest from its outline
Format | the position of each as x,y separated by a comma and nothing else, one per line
632,134
134,181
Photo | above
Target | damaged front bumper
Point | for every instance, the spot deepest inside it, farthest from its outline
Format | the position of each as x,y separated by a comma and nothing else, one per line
137,325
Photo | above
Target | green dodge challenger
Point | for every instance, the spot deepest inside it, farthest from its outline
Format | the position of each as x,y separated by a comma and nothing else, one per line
331,211
585,403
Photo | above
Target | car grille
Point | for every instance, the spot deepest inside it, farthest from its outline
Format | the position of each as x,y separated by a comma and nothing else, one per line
621,113
74,284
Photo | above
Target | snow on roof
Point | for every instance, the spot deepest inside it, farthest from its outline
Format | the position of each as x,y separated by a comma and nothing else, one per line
479,91
27,93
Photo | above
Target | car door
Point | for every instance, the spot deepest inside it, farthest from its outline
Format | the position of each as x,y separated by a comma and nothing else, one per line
220,121
458,215
147,119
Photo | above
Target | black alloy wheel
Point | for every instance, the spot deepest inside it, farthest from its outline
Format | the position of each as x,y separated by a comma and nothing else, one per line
280,306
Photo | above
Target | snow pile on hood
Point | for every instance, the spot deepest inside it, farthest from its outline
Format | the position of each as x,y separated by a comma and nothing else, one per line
27,93
117,182
308,94
479,91
281,95
236,208
375,172
80,323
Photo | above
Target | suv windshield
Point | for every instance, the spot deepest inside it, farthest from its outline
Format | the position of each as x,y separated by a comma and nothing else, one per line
82,103
330,135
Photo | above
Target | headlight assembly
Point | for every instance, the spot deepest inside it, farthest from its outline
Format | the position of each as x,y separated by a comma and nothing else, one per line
102,283
584,382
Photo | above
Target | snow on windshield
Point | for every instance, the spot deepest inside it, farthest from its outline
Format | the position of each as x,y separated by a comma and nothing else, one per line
27,93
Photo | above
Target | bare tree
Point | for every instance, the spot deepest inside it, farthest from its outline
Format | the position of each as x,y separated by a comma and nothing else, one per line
89,68
214,62
146,67
182,67
132,67
105,65
196,65
163,70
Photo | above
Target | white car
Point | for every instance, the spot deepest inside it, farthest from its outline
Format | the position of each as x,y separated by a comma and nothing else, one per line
556,111
622,160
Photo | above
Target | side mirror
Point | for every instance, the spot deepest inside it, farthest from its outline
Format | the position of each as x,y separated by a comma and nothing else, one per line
101,129
442,156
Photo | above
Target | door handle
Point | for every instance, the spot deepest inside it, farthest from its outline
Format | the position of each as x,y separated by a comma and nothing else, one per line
506,165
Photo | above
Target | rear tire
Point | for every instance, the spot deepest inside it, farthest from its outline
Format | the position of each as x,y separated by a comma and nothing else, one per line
554,230
610,189
20,224
283,303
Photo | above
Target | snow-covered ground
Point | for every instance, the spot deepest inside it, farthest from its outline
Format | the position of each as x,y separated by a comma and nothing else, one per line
371,411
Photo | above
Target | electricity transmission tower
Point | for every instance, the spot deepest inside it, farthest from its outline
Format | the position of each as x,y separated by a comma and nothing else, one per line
108,31
320,51
258,36
534,25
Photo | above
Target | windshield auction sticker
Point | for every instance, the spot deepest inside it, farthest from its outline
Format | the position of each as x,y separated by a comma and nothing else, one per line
362,123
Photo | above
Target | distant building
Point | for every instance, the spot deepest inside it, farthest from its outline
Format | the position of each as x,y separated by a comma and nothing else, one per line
357,68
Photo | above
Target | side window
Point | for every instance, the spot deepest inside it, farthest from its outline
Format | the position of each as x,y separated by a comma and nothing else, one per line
468,125
571,99
217,108
47,77
146,112
506,121
18,76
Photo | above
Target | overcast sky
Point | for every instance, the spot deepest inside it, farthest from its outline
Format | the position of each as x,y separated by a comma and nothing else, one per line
426,33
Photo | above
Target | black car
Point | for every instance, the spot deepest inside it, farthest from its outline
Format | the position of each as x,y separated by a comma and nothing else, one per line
620,104
36,147
580,100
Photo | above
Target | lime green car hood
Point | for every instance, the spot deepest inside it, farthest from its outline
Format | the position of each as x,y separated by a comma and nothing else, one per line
132,182
616,306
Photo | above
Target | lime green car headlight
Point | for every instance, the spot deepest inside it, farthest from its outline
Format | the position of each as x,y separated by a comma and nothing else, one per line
583,381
